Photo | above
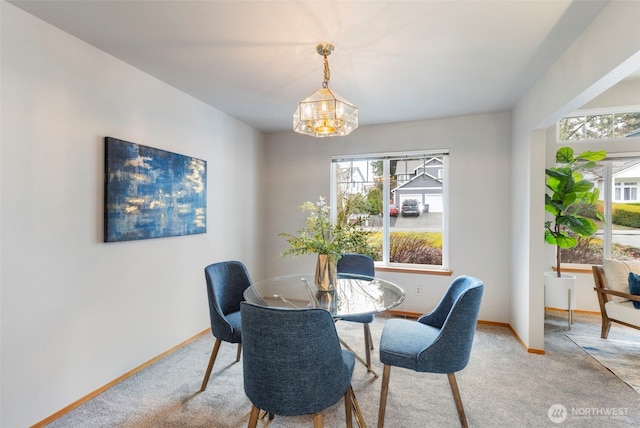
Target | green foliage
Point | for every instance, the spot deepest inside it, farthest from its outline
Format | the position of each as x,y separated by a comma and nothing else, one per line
374,201
321,237
571,200
416,248
626,215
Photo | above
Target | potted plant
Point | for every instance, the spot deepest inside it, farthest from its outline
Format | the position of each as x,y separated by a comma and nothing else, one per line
329,241
571,199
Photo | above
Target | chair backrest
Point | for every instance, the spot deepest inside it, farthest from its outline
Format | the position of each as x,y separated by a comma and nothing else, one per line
292,361
358,264
226,282
456,316
600,280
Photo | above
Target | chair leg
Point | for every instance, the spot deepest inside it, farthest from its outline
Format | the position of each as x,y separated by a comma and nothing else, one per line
212,359
253,418
317,420
606,326
348,410
368,345
367,332
458,400
357,410
239,351
383,394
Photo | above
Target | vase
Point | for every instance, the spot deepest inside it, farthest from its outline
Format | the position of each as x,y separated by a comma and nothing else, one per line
326,272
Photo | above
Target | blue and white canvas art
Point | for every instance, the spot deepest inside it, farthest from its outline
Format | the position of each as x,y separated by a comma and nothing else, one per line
152,193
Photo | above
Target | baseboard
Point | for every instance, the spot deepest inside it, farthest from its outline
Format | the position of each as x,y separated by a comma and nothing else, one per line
116,381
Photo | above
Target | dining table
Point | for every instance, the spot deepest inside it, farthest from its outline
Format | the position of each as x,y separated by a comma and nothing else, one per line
352,295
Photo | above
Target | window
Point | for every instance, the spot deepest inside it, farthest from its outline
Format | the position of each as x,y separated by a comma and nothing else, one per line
619,236
626,191
599,125
401,198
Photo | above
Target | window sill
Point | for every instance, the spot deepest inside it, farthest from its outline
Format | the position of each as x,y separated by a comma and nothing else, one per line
576,268
441,272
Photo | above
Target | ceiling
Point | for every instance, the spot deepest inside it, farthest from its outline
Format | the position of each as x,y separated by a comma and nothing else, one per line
396,60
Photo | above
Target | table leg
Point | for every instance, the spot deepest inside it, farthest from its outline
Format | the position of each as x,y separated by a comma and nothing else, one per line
570,315
359,358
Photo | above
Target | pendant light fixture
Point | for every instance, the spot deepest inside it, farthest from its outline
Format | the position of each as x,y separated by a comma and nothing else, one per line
325,113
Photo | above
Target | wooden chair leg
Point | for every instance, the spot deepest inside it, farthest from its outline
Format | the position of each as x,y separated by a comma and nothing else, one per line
367,332
253,417
368,345
457,399
212,359
239,351
606,326
357,410
383,395
348,408
317,420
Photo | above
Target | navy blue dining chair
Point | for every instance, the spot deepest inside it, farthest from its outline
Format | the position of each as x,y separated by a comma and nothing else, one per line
226,282
438,342
359,264
293,364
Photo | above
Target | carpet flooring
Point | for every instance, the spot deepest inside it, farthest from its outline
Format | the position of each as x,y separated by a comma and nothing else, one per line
503,386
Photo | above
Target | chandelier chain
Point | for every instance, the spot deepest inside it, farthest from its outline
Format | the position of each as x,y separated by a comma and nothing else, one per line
327,73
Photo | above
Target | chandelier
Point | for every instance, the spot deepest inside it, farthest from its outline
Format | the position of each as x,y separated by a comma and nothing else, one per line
325,113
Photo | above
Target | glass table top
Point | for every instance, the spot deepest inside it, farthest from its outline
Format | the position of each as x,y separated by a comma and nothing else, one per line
354,294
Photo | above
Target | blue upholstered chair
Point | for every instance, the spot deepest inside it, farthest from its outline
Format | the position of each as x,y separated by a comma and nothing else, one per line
293,363
359,264
226,282
438,342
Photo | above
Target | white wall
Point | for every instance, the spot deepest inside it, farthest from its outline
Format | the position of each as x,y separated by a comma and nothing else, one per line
77,313
299,168
607,51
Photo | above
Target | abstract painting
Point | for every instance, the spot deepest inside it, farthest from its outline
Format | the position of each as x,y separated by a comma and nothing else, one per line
152,193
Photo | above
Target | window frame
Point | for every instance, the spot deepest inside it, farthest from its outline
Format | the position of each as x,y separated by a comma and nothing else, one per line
597,112
608,191
386,157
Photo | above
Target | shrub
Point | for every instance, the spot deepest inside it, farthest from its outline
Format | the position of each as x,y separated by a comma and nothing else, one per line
415,248
626,215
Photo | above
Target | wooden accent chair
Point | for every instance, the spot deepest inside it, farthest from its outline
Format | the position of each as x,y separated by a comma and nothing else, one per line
612,311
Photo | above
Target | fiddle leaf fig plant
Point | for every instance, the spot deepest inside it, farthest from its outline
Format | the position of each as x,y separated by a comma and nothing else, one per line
571,199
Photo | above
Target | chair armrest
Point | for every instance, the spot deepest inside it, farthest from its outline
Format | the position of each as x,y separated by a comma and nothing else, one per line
606,291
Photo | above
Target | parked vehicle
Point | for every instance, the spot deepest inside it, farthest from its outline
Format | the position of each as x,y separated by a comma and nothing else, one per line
393,211
410,207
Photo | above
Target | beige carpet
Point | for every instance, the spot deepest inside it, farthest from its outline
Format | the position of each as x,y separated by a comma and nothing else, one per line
503,386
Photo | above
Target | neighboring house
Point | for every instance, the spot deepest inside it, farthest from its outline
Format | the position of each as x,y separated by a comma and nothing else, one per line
422,183
625,183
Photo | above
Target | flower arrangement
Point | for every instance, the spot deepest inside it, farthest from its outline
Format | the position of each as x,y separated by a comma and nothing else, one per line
320,236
